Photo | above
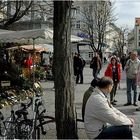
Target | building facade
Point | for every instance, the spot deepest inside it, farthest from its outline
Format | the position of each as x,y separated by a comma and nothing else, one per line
85,26
137,33
39,19
131,43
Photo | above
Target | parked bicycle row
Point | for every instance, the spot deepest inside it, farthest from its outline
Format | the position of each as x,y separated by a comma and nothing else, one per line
27,119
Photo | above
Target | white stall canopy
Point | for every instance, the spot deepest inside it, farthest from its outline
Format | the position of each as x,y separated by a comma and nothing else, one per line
15,36
37,48
26,35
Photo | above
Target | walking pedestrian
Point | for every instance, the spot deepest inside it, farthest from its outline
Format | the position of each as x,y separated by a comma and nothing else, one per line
113,71
123,61
96,65
131,68
79,64
99,112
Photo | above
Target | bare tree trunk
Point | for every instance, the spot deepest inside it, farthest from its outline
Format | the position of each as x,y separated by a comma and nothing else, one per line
63,72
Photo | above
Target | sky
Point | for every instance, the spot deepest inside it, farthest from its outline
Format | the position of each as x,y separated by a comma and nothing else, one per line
126,11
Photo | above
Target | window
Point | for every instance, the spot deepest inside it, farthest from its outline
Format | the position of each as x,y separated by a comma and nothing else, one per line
77,9
78,24
90,55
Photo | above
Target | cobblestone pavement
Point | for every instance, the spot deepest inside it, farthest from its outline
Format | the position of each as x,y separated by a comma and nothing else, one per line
49,97
79,91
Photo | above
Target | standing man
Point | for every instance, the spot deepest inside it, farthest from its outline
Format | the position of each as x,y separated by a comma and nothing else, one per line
75,62
131,68
96,65
123,61
79,64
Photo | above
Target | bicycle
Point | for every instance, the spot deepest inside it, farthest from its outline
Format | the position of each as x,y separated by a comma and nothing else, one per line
39,116
20,126
32,128
8,131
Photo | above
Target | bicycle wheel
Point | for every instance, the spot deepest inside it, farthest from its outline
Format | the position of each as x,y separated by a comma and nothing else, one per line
9,129
10,132
2,129
24,129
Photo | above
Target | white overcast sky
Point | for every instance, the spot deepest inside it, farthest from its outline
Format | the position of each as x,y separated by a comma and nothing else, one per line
126,11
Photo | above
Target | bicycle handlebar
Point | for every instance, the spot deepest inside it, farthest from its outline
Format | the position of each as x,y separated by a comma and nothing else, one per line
26,105
23,110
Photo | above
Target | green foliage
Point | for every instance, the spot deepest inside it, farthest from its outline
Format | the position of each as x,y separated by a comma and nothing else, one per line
40,73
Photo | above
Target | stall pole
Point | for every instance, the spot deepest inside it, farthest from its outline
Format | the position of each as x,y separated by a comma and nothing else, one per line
33,60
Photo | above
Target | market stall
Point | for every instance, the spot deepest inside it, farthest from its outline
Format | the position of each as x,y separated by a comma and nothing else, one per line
10,76
35,35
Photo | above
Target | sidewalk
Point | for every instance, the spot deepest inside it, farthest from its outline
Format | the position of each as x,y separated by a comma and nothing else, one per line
79,91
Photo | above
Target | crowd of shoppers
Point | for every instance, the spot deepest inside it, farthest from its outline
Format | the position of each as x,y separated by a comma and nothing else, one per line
101,119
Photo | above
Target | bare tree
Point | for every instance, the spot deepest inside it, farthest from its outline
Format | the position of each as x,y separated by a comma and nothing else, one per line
42,8
96,18
120,41
13,11
63,72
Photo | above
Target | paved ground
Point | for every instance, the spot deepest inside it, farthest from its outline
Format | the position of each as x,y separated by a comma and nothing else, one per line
49,97
79,91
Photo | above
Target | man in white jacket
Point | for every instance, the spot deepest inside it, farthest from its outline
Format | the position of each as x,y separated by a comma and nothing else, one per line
99,112
131,67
